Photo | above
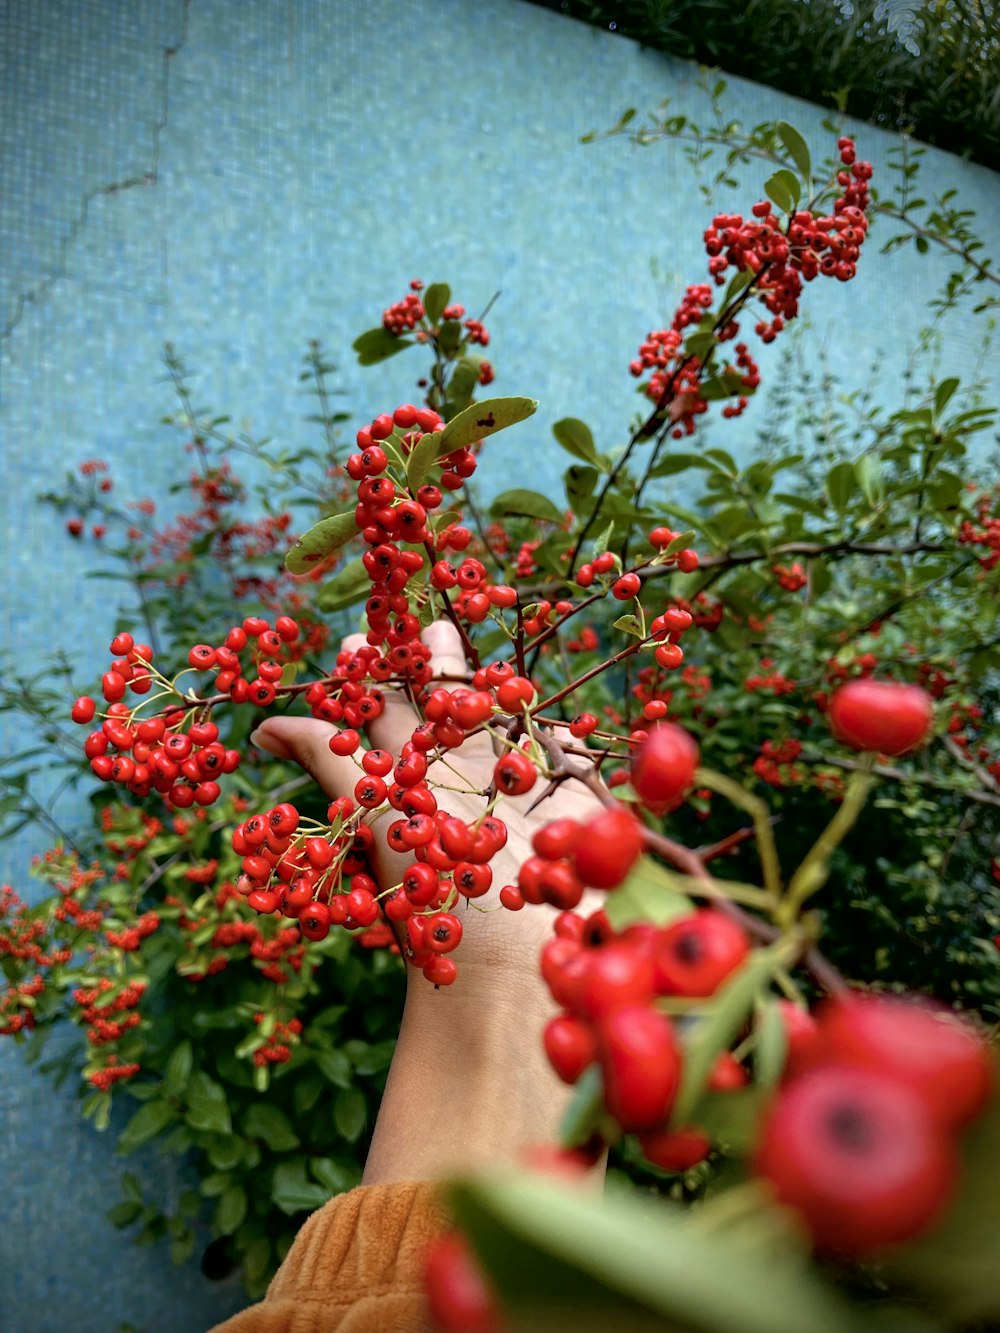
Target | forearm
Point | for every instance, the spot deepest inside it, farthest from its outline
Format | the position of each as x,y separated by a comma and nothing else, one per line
469,1084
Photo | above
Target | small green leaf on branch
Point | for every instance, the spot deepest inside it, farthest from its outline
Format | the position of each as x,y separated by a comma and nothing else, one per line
319,542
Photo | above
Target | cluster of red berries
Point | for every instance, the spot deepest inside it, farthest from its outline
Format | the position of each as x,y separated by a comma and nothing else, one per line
114,1071
131,937
608,984
775,764
779,260
403,316
157,753
861,1140
99,1003
17,1003
792,578
986,530
277,1048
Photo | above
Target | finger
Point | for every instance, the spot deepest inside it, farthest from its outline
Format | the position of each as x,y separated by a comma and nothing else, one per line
306,741
395,724
448,659
447,652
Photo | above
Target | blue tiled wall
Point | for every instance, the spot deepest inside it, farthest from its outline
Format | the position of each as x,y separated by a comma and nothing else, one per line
280,176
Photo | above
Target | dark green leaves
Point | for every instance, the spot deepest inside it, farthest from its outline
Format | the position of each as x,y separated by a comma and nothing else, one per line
650,893
270,1125
292,1192
575,437
207,1106
147,1122
483,419
784,189
378,345
567,1259
797,149
314,546
436,298
230,1210
528,503
349,585
349,1113
841,483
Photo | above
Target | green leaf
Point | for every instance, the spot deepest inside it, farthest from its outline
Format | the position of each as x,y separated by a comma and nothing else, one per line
719,1024
349,1113
266,1122
629,625
230,1210
422,458
797,149
348,585
336,1067
374,1058
579,483
575,437
178,1069
124,1214
292,1192
671,464
699,345
586,1109
771,1044
942,395
719,387
530,503
784,188
958,1261
207,1106
147,1122
820,578
482,419
378,345
841,483
334,1175
649,893
868,471
436,297
319,542
561,1259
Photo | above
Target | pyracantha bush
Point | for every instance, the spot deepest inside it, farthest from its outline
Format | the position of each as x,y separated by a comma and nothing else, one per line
733,677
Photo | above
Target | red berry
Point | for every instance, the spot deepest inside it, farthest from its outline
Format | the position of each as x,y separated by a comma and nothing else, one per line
675,1149
443,932
457,1294
314,921
514,773
618,976
612,844
936,1053
663,769
855,1153
881,715
83,710
570,1045
582,725
344,742
626,587
696,954
641,1060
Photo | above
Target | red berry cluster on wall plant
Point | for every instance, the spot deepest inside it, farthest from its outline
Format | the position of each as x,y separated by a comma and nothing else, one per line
688,1010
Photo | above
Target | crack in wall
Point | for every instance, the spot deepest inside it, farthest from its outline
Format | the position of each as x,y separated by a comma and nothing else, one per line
148,177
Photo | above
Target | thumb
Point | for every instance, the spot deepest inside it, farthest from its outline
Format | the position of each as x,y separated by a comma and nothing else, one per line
306,741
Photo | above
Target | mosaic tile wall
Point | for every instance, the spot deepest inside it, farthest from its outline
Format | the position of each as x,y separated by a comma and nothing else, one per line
238,178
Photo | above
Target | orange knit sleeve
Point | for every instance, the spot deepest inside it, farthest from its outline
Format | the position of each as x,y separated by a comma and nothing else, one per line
355,1267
